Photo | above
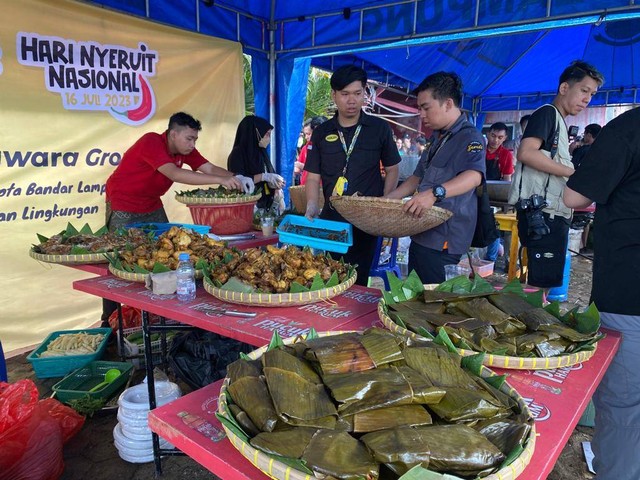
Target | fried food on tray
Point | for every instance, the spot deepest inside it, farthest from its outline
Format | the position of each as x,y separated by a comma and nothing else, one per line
62,244
274,270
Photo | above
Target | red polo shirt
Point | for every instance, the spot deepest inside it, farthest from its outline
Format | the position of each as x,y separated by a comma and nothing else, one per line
504,158
136,185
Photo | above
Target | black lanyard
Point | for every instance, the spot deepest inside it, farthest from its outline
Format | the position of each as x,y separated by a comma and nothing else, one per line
433,152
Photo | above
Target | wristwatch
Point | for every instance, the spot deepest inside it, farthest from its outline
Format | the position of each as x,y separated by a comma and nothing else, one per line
439,192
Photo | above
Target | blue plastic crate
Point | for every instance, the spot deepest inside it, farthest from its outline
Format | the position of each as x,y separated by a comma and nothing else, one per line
160,228
316,234
49,367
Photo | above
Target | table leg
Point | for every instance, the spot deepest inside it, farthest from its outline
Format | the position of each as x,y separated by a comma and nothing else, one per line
513,252
148,360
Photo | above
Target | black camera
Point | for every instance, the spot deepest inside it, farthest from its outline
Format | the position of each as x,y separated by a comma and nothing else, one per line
532,207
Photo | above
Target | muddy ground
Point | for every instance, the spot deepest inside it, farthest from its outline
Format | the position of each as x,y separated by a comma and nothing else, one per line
92,455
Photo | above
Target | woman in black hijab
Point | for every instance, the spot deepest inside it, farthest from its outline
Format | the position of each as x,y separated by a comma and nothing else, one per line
249,157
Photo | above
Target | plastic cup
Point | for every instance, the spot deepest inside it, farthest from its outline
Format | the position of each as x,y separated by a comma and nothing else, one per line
267,226
452,271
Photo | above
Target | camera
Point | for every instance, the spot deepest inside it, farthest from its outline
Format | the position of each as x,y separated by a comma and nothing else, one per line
532,207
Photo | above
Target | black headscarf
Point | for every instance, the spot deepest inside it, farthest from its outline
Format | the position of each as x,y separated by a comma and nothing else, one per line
248,158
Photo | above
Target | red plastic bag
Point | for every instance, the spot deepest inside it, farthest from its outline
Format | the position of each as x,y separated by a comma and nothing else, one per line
33,432
131,318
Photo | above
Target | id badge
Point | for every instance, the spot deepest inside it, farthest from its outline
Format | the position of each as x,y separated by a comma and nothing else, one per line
341,186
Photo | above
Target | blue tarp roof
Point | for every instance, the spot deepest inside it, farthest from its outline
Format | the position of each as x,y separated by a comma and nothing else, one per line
509,53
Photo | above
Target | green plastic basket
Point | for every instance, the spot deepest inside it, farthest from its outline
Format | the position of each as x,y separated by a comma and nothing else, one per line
49,367
78,383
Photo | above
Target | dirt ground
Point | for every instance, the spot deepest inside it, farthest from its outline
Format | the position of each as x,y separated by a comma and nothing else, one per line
92,455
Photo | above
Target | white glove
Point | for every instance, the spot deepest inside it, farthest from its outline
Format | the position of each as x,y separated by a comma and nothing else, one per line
312,211
273,180
247,183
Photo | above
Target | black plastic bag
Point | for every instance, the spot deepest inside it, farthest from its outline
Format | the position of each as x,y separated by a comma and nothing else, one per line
199,357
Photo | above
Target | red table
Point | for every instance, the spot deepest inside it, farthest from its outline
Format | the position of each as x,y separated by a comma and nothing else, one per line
205,311
556,398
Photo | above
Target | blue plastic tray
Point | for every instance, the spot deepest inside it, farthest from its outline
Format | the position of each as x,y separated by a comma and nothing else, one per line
318,233
49,367
160,228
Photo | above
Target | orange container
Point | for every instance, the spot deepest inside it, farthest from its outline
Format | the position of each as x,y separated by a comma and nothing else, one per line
227,219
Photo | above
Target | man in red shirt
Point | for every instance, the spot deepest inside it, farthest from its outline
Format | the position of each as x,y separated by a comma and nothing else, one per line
149,168
499,166
499,159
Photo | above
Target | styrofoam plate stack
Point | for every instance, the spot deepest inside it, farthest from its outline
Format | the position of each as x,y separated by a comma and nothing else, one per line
132,435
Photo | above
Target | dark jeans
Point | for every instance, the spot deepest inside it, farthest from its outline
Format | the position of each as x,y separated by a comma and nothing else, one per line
429,263
361,253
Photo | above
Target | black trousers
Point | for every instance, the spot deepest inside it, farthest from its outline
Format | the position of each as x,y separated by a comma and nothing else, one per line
429,263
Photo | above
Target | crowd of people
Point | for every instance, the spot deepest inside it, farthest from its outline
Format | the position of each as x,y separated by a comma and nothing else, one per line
549,175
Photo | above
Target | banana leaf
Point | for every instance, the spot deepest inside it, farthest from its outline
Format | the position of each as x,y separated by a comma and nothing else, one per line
424,392
252,396
418,306
552,348
391,417
506,434
298,401
455,449
339,455
464,405
368,390
536,317
243,420
461,338
510,303
382,346
441,368
480,308
339,354
278,358
285,443
567,332
243,368
413,321
499,346
463,285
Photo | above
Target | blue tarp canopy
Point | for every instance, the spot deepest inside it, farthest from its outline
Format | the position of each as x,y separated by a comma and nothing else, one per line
509,53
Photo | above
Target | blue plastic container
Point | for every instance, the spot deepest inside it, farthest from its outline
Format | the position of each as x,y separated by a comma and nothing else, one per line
49,367
315,234
561,293
160,228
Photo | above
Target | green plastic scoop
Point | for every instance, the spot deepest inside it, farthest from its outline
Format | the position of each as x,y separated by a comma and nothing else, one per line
109,376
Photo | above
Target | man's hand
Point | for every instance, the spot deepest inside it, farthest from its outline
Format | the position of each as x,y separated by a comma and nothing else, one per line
231,183
244,183
312,210
419,203
273,180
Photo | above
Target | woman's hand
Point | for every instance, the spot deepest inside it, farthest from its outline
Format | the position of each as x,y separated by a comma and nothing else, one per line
273,180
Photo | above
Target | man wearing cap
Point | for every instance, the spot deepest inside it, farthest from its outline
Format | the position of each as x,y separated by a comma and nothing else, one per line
446,176
346,153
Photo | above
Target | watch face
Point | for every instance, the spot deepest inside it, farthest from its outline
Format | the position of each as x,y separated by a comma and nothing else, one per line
439,191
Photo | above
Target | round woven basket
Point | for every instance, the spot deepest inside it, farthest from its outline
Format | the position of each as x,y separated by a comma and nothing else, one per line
384,216
499,361
279,470
81,259
137,277
299,198
278,299
188,200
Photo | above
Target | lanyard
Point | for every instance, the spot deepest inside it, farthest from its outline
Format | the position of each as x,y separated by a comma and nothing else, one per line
347,151
441,142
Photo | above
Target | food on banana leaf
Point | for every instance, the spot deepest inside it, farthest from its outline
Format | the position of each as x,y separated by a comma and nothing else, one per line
456,449
501,323
340,455
244,368
417,408
244,420
252,396
212,192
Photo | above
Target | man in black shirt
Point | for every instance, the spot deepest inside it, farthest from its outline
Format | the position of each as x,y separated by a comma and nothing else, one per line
351,145
590,133
610,176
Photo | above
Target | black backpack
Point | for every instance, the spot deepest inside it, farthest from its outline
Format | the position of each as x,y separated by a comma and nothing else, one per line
486,227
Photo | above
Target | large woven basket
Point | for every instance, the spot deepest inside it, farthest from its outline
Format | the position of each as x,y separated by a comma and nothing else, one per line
498,361
190,200
280,471
299,198
384,216
82,259
137,277
278,299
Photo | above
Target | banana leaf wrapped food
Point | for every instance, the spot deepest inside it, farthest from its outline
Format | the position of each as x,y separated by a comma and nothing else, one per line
418,406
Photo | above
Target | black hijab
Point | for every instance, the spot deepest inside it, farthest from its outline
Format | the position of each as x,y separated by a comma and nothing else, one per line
248,158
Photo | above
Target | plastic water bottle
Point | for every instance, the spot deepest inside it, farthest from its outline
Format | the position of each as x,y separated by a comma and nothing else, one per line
185,279
561,293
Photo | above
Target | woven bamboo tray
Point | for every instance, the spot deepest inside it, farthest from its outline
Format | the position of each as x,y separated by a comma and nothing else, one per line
499,361
278,299
299,198
69,259
187,200
280,471
137,277
384,216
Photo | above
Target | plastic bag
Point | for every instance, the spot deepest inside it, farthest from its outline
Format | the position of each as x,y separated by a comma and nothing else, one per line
131,318
32,432
200,358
